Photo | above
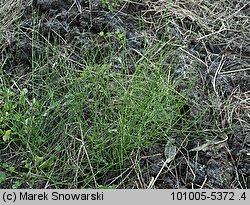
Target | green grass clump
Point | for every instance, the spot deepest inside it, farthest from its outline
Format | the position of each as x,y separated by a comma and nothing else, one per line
86,123
70,123
128,112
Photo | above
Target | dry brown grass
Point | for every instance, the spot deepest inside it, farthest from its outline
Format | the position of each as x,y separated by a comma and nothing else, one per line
216,36
10,12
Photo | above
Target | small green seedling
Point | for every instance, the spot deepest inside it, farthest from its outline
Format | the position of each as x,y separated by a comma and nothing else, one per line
17,184
12,169
6,136
101,34
110,4
2,177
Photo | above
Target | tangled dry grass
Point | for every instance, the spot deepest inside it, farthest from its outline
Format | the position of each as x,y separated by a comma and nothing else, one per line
215,34
10,12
